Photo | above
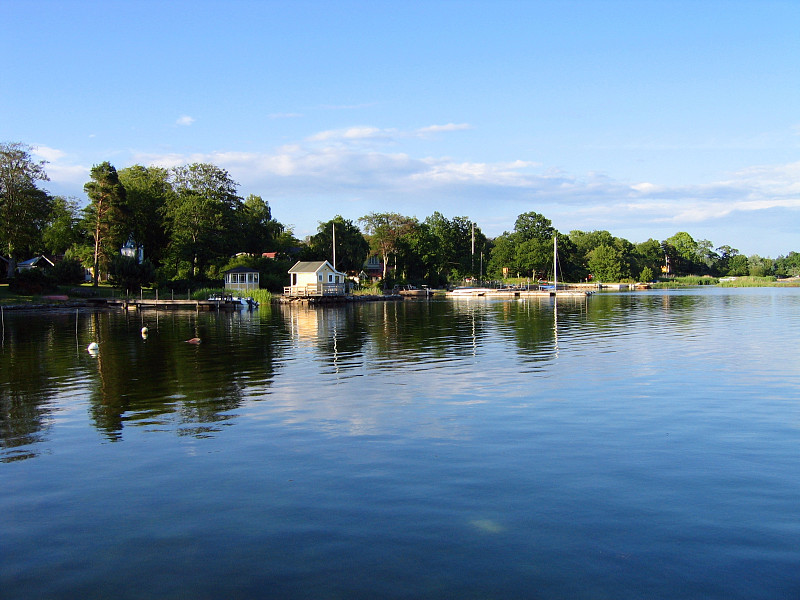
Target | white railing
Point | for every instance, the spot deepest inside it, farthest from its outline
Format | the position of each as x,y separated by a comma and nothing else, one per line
319,289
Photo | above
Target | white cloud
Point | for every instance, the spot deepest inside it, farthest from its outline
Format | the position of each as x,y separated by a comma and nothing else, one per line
65,175
423,131
185,120
366,133
351,134
47,153
341,170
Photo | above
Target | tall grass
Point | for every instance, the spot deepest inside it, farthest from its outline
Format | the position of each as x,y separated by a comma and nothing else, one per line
749,281
260,296
367,291
689,280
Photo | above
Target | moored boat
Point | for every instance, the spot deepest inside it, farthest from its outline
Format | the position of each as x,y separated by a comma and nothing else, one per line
236,301
413,292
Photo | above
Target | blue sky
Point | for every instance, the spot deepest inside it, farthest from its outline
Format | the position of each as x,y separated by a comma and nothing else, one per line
643,118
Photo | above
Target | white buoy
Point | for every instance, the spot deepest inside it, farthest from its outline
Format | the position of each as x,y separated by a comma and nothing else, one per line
93,348
144,330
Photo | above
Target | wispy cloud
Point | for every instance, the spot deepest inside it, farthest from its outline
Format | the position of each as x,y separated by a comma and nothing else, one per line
304,169
424,131
351,134
65,175
359,134
185,121
47,153
348,170
347,106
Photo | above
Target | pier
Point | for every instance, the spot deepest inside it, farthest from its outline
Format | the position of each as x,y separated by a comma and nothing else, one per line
150,304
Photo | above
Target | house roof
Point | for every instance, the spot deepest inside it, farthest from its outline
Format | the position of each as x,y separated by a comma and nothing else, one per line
241,270
310,266
32,262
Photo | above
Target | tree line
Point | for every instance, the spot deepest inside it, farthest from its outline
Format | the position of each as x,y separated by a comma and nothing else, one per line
191,223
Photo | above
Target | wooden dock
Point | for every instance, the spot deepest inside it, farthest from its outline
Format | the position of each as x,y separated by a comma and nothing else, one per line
149,304
335,299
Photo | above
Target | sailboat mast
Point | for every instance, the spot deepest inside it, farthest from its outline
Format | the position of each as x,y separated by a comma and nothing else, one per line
555,262
333,227
472,258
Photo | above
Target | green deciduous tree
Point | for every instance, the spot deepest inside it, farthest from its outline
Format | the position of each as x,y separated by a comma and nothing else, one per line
533,236
457,252
738,266
501,259
260,231
384,231
682,250
147,191
605,263
23,206
648,255
195,226
351,245
417,256
788,266
760,267
64,228
202,217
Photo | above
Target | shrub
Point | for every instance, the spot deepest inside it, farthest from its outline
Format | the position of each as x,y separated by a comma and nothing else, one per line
68,272
32,282
128,274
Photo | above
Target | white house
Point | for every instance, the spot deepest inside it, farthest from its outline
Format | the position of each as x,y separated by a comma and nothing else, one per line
315,278
241,279
131,251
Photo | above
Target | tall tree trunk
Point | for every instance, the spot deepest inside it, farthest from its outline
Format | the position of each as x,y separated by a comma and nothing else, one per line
98,218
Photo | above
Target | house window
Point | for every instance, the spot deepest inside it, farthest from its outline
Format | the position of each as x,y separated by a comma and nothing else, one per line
294,278
330,278
249,278
320,276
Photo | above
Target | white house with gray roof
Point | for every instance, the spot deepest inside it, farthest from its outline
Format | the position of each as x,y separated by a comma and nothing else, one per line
315,278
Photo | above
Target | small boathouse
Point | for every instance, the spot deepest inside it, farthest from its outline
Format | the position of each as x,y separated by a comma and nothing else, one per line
312,279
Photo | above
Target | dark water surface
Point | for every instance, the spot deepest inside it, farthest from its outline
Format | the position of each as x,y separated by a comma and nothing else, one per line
625,446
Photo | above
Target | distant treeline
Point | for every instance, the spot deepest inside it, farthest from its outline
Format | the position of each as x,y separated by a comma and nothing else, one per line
189,224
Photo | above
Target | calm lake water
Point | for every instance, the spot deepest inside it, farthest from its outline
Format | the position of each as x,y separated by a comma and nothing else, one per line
642,445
